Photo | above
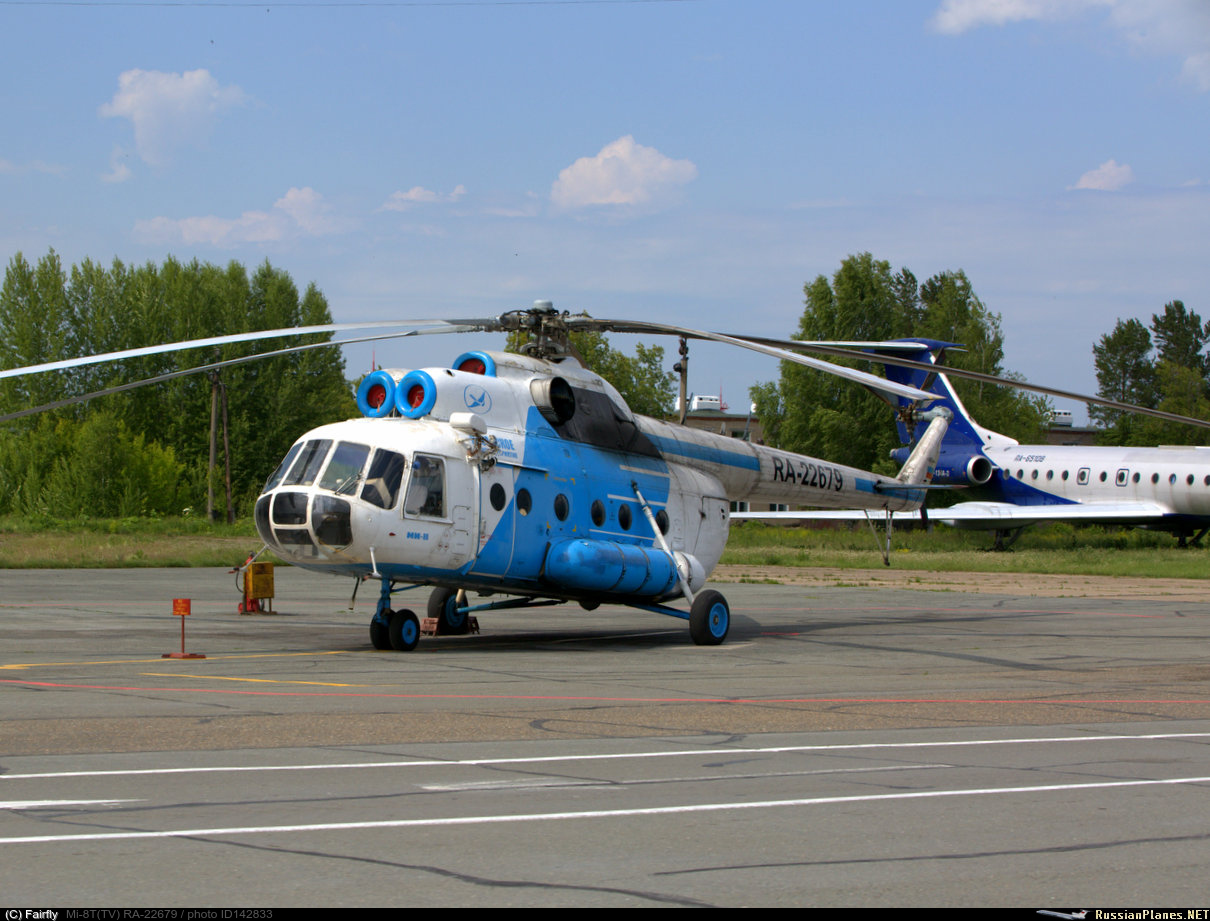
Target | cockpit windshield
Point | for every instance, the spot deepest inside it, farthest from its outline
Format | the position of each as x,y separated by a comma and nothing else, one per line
280,472
383,480
342,464
310,459
344,469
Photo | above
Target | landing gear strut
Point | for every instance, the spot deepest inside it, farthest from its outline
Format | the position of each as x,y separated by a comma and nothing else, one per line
399,630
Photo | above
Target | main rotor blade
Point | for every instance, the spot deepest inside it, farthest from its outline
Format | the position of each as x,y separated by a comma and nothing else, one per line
839,352
215,365
443,326
879,384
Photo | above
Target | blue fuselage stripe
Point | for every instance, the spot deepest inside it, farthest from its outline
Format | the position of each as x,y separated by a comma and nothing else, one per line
705,453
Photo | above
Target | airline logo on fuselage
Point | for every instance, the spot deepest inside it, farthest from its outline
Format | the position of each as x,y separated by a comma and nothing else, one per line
477,399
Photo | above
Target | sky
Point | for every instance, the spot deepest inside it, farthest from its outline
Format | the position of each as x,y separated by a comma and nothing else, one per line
690,161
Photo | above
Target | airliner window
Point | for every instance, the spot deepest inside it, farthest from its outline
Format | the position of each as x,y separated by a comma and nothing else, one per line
1189,480
382,482
282,468
426,490
310,459
1123,476
1082,476
344,468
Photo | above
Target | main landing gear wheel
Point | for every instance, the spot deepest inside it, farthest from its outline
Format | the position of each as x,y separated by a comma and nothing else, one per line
451,620
709,618
380,630
404,631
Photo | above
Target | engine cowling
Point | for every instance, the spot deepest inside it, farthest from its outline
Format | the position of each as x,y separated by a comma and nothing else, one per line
956,468
965,469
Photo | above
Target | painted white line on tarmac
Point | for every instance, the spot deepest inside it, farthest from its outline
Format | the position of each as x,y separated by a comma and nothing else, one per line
61,803
607,756
593,814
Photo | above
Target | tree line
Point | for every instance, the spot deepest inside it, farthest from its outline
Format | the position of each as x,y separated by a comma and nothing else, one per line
147,451
1163,366
865,299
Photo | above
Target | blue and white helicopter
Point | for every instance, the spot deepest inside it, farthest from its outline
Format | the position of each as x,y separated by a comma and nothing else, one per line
1159,488
527,476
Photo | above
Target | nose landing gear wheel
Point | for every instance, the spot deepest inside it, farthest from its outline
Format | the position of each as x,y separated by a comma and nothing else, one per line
379,630
404,631
709,618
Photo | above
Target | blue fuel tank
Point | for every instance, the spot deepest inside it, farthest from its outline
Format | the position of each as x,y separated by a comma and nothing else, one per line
611,568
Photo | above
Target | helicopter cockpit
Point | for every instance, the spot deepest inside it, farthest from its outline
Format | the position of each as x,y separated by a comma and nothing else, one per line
305,509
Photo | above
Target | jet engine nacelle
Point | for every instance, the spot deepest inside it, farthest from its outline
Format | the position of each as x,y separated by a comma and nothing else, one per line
963,470
956,468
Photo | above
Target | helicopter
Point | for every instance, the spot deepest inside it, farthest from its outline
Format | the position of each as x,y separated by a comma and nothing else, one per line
526,476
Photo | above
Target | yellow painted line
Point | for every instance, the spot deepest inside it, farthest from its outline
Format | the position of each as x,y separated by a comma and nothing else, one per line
250,655
324,684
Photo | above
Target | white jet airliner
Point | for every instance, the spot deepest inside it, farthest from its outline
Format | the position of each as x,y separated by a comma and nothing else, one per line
1161,488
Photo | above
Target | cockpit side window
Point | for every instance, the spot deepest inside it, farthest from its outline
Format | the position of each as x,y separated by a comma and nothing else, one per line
426,490
310,459
282,468
382,482
344,469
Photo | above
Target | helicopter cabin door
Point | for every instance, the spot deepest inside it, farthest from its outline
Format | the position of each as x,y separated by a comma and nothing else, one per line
496,520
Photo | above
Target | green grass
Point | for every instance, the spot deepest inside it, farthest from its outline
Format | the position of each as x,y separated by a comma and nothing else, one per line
1055,548
41,543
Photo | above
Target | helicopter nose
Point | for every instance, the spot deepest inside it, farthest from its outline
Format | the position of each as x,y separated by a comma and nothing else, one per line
303,523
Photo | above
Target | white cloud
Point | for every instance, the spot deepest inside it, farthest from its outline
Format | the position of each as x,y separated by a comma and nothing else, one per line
416,195
169,111
300,212
1108,177
309,211
957,16
1177,28
623,173
1196,70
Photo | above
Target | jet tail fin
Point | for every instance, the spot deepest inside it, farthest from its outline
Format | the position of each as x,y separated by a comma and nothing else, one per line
962,459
